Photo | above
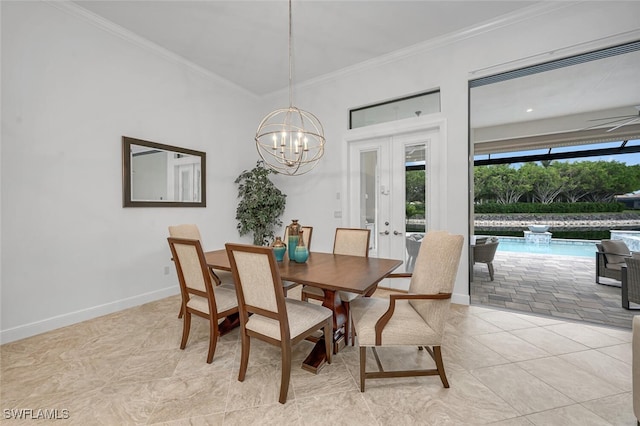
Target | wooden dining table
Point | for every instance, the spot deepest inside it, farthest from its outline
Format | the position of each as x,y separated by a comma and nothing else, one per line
331,273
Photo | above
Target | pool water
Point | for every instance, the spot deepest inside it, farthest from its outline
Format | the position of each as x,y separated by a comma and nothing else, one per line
579,248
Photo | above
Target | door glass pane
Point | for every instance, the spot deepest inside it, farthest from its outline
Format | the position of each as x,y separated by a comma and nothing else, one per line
415,201
368,192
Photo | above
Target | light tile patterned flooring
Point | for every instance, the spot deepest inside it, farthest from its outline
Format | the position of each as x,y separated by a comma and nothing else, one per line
504,368
556,286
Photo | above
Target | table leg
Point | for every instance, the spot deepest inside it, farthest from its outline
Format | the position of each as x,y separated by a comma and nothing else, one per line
229,323
316,359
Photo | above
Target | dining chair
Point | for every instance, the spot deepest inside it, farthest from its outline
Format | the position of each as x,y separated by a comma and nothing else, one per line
306,236
416,318
266,314
199,295
351,242
191,231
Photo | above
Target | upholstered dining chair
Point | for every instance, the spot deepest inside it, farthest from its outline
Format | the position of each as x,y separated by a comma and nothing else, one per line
199,295
269,316
191,231
351,242
416,318
307,232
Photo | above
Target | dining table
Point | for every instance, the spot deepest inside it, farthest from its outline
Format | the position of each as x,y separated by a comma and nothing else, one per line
332,273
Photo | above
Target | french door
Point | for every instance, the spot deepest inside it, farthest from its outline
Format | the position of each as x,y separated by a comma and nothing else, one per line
390,192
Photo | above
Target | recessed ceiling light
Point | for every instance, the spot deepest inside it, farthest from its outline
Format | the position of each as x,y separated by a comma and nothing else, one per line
529,109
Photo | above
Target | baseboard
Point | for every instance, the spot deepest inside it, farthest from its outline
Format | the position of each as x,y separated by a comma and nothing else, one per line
42,326
461,299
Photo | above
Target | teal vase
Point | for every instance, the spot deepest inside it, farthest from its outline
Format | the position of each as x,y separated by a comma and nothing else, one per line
293,243
294,234
279,249
301,252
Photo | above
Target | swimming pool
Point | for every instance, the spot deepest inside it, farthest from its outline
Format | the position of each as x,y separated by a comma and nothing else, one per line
581,248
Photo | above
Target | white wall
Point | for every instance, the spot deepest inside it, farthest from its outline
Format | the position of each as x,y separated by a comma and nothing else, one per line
70,91
447,64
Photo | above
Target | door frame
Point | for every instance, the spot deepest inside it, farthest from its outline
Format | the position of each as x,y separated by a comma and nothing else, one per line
435,166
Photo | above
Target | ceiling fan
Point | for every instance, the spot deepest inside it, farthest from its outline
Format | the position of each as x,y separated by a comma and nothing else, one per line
617,122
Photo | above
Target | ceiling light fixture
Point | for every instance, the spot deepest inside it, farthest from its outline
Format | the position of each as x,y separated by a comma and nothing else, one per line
290,140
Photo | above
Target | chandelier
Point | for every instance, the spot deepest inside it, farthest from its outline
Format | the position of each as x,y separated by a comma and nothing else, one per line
290,140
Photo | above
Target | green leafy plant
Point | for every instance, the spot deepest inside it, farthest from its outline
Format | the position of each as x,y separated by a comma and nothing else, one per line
261,204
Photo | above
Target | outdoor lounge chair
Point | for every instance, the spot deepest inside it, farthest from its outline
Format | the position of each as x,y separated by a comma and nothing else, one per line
610,258
631,281
484,253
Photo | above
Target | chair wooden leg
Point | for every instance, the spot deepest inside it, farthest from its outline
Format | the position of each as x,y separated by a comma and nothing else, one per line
440,365
213,338
186,326
286,371
363,365
347,325
244,357
328,338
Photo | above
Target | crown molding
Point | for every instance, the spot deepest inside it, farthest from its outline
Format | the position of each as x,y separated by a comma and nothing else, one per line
77,11
538,9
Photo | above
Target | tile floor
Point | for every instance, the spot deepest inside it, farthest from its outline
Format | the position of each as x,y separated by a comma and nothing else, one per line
504,368
555,286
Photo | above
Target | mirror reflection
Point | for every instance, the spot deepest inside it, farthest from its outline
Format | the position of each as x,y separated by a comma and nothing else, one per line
162,175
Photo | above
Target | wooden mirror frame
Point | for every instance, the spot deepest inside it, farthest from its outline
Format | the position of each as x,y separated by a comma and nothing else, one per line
127,142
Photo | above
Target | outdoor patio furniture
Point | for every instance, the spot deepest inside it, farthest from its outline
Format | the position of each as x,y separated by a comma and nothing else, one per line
484,253
635,366
610,258
631,281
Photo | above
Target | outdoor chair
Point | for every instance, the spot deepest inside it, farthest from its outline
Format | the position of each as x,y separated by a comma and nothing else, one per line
269,316
199,296
484,253
631,281
635,366
415,319
610,258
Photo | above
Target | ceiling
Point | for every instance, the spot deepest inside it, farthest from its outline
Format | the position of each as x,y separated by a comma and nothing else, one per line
245,42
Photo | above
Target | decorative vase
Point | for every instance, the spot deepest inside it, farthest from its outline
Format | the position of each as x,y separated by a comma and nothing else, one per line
294,233
301,252
279,248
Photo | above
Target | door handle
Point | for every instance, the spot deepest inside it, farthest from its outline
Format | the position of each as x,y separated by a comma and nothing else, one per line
397,233
384,232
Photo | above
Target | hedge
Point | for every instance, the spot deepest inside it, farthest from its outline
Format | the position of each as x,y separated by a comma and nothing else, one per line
549,208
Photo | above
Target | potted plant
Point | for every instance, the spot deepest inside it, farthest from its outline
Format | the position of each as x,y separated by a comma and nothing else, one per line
261,204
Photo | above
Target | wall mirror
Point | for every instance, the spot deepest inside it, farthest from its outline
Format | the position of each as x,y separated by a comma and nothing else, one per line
158,175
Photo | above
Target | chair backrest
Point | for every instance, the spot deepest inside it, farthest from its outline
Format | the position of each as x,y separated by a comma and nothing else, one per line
258,283
352,241
306,235
187,230
484,253
615,250
193,272
435,272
